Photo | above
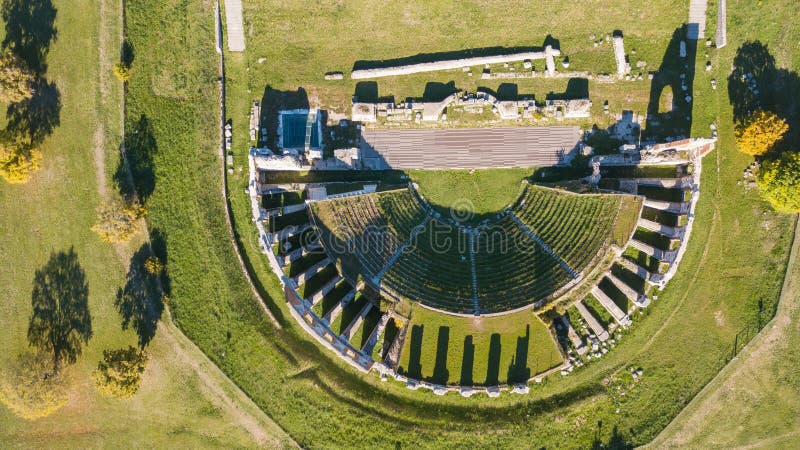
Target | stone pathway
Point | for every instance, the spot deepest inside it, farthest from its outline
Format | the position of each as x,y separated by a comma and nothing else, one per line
697,19
235,24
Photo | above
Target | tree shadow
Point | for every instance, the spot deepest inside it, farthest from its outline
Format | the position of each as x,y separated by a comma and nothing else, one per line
756,83
35,118
467,362
30,28
414,364
139,301
140,147
673,81
440,372
158,244
126,53
518,370
493,369
60,322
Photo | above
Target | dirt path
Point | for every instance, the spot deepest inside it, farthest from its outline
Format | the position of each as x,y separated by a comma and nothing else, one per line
219,389
99,138
223,392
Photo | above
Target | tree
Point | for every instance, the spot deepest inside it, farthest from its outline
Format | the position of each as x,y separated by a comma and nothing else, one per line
119,374
779,183
153,266
16,79
122,71
117,221
29,387
60,322
758,133
17,162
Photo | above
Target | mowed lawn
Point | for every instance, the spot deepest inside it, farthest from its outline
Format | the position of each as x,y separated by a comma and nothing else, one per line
479,192
445,349
54,211
291,45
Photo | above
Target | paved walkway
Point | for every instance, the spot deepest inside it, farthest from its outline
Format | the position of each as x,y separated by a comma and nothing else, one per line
467,148
235,25
697,19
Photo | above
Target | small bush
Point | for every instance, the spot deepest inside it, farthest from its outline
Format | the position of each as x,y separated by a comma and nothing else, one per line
153,266
119,373
16,79
122,71
17,164
30,388
117,221
779,183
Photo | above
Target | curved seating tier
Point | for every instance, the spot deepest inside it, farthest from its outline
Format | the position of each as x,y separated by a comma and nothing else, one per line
435,269
493,267
371,227
512,269
575,226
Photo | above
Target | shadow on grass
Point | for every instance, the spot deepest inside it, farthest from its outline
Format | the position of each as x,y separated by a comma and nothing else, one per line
615,442
139,301
672,88
60,322
30,28
440,372
35,118
29,31
518,371
756,83
140,148
467,362
493,369
414,358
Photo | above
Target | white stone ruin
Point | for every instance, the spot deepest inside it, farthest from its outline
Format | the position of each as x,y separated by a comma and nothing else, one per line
623,67
549,60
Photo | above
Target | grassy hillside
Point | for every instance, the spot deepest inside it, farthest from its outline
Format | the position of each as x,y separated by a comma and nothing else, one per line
309,392
176,405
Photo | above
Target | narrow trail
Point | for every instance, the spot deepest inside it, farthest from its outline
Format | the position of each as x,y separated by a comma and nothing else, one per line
224,393
99,138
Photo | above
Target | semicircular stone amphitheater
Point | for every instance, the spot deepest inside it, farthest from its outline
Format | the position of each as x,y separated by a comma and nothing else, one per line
572,269
529,253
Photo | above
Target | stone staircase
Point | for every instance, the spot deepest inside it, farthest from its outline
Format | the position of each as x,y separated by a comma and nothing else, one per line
599,331
356,322
620,316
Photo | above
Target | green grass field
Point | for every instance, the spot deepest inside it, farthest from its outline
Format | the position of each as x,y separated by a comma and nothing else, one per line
287,374
367,30
184,401
468,351
482,192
